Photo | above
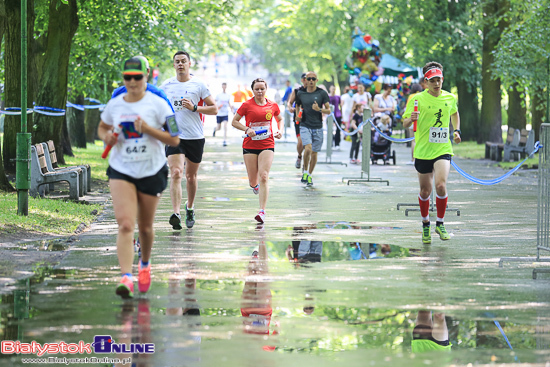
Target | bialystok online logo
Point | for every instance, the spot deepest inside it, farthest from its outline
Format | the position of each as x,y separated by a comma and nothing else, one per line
103,344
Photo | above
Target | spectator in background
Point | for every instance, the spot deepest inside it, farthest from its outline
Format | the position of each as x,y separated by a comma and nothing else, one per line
356,120
384,103
288,92
415,89
361,97
346,103
335,101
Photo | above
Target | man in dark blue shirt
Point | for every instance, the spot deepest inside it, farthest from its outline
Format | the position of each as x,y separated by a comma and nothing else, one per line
314,101
151,88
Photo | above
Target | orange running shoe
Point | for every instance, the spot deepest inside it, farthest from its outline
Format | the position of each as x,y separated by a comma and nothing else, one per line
144,277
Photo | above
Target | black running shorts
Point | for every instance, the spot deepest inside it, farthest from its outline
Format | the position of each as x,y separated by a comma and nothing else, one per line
151,185
192,149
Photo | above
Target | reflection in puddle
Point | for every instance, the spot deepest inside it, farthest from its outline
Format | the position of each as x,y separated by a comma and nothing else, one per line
333,225
305,251
219,198
349,225
41,245
221,166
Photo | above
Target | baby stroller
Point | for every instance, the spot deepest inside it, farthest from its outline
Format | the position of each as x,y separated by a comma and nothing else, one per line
381,147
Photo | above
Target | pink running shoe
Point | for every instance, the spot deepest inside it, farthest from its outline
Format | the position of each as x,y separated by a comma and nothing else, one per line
260,217
125,288
256,189
144,277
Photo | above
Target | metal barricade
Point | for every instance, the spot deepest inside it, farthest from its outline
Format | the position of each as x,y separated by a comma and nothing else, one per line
328,151
366,146
543,211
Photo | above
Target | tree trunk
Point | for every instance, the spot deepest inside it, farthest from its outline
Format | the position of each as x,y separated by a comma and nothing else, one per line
66,139
91,121
5,184
77,131
517,111
468,110
538,109
491,114
62,25
12,60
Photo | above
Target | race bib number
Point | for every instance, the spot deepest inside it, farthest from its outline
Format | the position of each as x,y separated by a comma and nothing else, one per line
263,136
439,134
135,150
259,320
177,103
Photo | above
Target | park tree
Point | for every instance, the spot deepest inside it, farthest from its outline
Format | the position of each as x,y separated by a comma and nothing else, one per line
494,23
523,54
113,30
442,31
53,61
311,35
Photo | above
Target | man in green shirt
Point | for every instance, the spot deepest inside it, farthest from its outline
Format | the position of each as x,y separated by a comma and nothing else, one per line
433,149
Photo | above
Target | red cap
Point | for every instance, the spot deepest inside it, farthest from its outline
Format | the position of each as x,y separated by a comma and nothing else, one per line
432,73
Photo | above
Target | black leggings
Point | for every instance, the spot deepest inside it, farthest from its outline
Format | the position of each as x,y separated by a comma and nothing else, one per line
355,143
337,135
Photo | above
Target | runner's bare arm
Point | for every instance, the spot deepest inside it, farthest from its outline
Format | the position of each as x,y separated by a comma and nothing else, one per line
209,107
455,120
163,136
237,125
105,133
290,102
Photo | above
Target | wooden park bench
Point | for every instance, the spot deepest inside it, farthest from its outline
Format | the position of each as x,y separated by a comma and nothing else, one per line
51,162
40,175
526,144
493,151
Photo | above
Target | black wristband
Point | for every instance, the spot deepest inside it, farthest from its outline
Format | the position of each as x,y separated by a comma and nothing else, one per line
457,131
195,108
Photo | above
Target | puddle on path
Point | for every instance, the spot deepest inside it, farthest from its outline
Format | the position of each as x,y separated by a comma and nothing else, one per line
334,225
219,198
307,251
268,323
41,245
265,310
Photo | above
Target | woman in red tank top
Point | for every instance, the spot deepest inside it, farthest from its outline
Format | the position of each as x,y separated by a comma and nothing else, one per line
258,149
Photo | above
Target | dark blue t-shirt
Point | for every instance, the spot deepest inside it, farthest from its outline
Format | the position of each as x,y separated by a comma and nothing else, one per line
151,88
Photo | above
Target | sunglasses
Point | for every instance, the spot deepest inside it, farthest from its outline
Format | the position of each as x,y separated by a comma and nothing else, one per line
136,77
310,79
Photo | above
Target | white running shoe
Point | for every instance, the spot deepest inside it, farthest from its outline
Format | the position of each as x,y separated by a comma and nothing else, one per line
256,189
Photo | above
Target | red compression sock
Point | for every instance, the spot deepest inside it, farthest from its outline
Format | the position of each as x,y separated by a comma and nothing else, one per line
441,205
424,207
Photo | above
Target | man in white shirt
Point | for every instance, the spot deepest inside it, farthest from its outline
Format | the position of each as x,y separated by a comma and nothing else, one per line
190,99
223,101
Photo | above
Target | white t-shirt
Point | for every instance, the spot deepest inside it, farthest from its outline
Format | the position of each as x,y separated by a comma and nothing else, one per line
190,123
384,103
136,154
347,104
223,100
363,99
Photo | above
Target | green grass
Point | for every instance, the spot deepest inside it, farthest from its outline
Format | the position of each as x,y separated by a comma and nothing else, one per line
92,156
472,150
53,215
45,215
469,150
